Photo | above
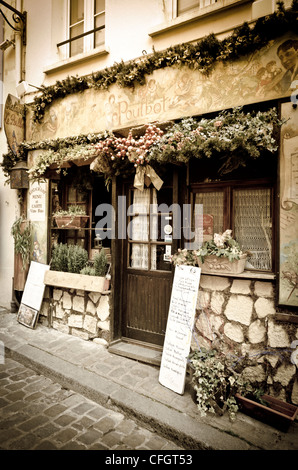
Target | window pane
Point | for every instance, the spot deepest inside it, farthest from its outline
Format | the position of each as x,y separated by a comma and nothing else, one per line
213,205
186,5
77,46
99,6
76,11
160,257
138,258
99,37
253,225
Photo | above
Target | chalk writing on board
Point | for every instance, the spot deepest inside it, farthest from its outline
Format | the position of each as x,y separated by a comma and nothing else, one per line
179,327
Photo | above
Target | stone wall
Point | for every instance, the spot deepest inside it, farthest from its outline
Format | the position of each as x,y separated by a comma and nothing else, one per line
78,313
240,316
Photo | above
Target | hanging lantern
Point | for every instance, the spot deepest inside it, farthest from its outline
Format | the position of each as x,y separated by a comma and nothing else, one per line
19,178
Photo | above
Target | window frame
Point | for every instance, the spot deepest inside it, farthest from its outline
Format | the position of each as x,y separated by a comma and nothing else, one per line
228,216
89,30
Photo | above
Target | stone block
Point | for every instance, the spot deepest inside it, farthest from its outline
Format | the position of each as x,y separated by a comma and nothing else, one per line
57,294
234,332
264,307
94,297
263,289
208,324
103,309
214,282
90,324
217,301
239,308
75,321
59,312
78,304
254,374
203,300
284,374
256,332
80,292
66,301
277,336
241,286
90,308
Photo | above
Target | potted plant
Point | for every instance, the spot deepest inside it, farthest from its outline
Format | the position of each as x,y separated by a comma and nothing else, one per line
71,269
268,409
22,235
222,254
215,382
74,217
219,386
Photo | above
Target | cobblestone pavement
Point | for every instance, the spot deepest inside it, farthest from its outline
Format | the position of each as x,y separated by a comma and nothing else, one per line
38,414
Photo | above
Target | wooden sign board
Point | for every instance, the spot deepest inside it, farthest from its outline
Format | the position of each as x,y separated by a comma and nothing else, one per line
14,124
32,295
179,327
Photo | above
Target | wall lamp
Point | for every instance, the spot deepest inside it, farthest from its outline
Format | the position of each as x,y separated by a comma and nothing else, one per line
6,44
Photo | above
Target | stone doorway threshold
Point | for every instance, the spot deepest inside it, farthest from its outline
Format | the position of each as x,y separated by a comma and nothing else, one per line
137,351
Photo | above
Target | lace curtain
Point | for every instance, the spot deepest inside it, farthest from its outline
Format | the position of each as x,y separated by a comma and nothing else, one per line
253,225
140,225
213,205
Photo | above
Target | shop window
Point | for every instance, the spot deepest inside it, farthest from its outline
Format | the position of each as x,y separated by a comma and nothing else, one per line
86,25
85,191
247,209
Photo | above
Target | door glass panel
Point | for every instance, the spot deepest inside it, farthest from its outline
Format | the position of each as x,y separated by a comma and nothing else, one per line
147,224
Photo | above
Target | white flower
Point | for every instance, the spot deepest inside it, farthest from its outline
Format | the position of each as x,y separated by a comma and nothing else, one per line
218,240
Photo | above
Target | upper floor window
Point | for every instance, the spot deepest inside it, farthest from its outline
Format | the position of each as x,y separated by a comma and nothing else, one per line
185,6
86,25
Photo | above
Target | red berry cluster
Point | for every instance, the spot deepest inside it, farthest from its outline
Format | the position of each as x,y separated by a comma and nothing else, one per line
133,148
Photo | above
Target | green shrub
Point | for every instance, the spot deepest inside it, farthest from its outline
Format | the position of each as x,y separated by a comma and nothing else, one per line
88,271
100,263
77,258
59,260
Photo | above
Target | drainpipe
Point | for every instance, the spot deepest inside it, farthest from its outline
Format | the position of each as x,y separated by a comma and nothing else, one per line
18,49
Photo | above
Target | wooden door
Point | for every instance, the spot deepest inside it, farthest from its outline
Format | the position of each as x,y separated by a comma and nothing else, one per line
148,272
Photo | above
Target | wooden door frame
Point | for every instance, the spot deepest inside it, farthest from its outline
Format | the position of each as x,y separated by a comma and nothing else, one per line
117,250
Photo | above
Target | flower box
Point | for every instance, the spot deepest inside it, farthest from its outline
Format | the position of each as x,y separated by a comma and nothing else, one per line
75,281
221,265
278,413
71,221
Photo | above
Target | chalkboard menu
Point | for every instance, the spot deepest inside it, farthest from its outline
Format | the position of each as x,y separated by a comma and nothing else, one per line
179,327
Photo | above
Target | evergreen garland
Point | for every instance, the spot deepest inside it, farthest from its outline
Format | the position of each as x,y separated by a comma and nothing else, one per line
201,56
234,135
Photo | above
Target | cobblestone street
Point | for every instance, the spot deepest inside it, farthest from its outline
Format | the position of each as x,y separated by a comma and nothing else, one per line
38,414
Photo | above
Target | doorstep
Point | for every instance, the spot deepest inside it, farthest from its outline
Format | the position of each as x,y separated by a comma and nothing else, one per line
136,351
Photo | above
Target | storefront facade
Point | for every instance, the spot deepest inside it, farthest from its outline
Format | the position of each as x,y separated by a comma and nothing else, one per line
255,195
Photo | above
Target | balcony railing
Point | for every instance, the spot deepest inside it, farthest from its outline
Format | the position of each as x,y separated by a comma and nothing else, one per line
79,36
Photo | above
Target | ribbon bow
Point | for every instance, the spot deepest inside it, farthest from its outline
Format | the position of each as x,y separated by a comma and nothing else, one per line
146,175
